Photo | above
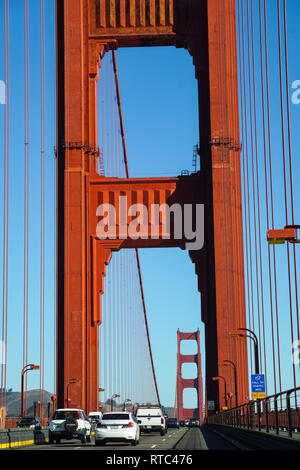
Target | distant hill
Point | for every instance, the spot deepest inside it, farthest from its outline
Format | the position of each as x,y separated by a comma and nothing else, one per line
13,401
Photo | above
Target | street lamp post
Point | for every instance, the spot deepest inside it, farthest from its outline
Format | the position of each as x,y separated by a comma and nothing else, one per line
226,363
239,333
24,370
219,377
111,400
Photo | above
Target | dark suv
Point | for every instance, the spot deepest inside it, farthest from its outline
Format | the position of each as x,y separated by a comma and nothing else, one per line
172,423
31,422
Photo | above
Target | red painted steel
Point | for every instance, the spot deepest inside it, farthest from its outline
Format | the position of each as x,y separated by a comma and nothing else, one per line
207,30
182,413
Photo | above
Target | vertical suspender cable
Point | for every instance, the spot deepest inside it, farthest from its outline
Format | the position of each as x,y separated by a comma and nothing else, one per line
260,285
26,191
55,205
271,191
42,280
253,138
266,192
5,202
245,156
285,178
290,162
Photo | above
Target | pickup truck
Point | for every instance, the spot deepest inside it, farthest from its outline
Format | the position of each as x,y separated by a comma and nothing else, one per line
151,419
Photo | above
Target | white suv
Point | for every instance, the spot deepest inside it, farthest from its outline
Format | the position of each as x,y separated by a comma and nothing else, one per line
69,423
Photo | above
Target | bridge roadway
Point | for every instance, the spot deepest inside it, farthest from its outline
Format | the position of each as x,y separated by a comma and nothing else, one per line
175,439
186,439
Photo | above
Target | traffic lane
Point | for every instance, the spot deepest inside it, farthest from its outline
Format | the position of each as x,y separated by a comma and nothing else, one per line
193,439
151,441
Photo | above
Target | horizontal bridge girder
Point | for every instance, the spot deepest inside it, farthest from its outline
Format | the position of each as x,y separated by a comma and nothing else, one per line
126,20
188,358
188,383
140,212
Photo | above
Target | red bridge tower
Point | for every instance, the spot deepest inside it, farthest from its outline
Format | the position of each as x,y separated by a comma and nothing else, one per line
184,413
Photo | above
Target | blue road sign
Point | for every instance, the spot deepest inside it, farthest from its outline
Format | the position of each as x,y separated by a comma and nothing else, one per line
258,383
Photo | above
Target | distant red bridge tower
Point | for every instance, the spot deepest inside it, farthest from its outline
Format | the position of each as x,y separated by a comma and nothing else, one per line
181,383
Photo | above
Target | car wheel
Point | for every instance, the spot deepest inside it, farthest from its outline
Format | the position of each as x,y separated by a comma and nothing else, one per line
83,439
88,438
162,433
134,442
57,441
51,439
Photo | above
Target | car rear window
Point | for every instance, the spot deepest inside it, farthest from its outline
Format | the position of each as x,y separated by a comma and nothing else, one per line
114,416
27,421
65,414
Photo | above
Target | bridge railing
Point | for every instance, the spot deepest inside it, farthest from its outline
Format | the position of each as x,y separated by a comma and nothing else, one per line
275,413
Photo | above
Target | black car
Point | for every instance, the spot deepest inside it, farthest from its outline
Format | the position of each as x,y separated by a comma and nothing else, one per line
31,422
193,423
172,423
182,423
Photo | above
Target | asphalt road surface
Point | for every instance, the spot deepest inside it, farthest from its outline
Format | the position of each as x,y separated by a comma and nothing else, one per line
185,439
182,438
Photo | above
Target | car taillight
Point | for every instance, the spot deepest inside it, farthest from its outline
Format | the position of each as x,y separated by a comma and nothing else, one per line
162,420
99,425
128,425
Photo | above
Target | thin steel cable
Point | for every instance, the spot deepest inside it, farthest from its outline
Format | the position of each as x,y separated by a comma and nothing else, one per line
245,156
5,200
266,193
285,179
259,262
26,192
272,192
42,262
290,160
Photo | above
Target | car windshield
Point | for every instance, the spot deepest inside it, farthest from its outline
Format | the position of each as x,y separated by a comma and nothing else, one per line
115,416
64,414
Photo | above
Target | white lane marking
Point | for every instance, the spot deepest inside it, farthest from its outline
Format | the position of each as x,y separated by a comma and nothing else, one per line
164,439
152,447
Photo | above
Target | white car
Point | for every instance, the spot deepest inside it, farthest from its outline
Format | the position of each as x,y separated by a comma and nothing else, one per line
120,426
69,423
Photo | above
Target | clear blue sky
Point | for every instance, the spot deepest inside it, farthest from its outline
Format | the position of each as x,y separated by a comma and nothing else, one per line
159,97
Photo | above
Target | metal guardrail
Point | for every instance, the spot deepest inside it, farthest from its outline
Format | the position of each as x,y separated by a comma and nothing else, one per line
15,437
264,414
